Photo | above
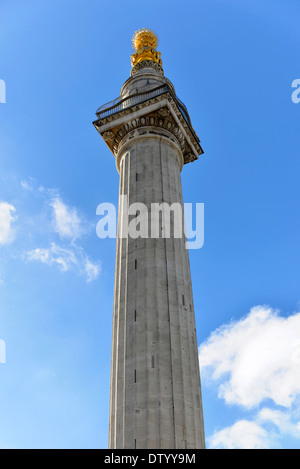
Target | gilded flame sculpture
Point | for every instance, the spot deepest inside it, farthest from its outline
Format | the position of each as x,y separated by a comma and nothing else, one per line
145,42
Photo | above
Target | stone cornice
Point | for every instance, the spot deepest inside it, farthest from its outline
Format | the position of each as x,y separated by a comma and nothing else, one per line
160,112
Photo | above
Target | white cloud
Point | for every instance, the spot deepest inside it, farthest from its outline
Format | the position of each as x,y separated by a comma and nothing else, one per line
7,233
254,362
283,420
264,431
67,221
29,184
244,434
92,270
63,258
71,258
26,186
255,358
62,227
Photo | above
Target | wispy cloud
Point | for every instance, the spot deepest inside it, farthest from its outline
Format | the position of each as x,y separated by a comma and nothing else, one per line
54,255
92,270
254,360
28,184
7,217
67,259
63,227
67,222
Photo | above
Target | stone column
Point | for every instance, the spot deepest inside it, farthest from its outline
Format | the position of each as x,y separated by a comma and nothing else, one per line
155,394
155,383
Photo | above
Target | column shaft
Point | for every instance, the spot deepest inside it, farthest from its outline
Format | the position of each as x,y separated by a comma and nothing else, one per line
155,399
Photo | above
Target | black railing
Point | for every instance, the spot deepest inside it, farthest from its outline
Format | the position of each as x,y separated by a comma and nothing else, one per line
119,104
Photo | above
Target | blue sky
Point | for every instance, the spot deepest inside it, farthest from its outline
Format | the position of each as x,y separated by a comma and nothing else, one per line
232,63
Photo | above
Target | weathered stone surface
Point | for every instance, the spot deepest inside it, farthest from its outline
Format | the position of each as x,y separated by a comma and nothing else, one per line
155,394
155,372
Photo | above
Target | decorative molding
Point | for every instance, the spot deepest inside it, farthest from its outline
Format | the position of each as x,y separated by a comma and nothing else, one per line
147,64
108,136
155,120
160,112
